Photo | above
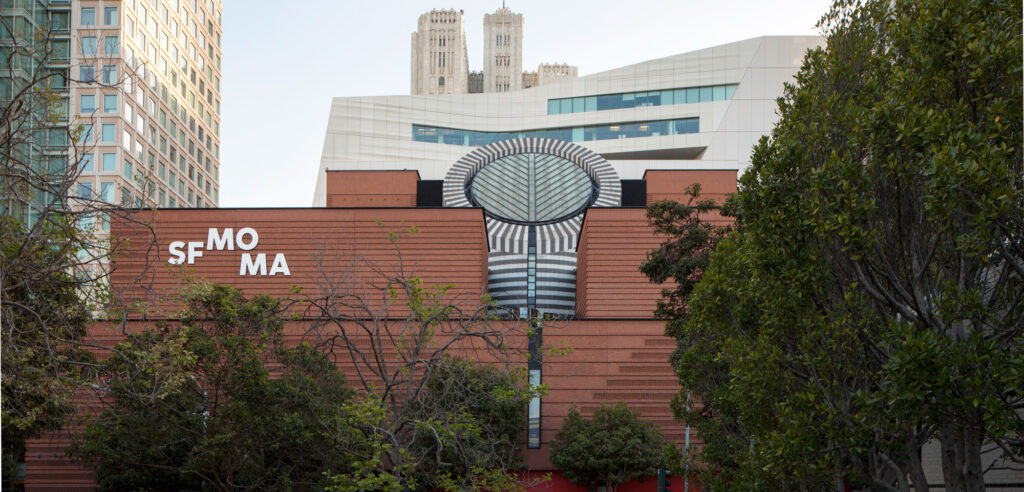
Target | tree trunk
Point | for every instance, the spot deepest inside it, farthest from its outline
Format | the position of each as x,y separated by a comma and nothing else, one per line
608,485
961,456
974,478
948,439
916,470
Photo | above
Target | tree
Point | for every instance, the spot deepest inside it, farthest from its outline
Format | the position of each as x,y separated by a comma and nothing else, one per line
195,405
870,298
51,246
476,415
616,446
402,339
685,254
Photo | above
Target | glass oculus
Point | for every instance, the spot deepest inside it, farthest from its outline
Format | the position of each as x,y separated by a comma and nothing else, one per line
532,188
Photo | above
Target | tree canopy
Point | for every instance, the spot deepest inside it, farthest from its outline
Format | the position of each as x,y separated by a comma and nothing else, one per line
194,404
870,299
615,446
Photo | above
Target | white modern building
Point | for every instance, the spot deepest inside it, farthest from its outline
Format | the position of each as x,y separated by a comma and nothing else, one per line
699,110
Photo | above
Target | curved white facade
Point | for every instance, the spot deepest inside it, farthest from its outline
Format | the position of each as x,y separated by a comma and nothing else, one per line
377,132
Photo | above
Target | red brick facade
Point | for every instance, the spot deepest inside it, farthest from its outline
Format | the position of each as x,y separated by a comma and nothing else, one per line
619,353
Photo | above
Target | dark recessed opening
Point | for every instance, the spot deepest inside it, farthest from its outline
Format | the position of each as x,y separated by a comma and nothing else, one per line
429,193
634,193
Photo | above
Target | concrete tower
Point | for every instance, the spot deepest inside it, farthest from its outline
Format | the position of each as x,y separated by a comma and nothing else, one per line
503,51
439,63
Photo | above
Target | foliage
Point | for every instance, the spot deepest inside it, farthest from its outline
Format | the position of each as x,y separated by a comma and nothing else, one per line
471,419
46,294
871,298
616,446
43,318
446,424
684,255
196,405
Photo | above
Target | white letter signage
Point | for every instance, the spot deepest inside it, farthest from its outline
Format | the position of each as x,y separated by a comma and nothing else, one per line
227,240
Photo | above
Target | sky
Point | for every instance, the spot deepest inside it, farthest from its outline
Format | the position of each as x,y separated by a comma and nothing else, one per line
284,61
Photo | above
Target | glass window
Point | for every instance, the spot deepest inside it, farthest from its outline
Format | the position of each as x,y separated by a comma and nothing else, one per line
109,74
718,93
729,91
566,105
705,94
89,45
577,105
628,100
85,190
108,132
107,191
109,162
590,104
60,21
86,135
88,16
679,96
110,45
87,73
87,103
87,163
110,16
110,103
553,106
692,95
608,102
575,134
128,170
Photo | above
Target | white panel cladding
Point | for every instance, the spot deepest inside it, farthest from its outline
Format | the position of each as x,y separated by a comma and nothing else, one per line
727,132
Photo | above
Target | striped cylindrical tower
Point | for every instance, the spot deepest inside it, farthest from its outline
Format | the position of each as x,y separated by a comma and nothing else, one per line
534,192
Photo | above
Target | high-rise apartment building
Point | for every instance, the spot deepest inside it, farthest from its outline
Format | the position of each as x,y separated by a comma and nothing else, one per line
146,83
439,63
141,83
34,56
503,51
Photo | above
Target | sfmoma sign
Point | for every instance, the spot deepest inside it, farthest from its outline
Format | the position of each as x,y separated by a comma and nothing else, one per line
246,239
